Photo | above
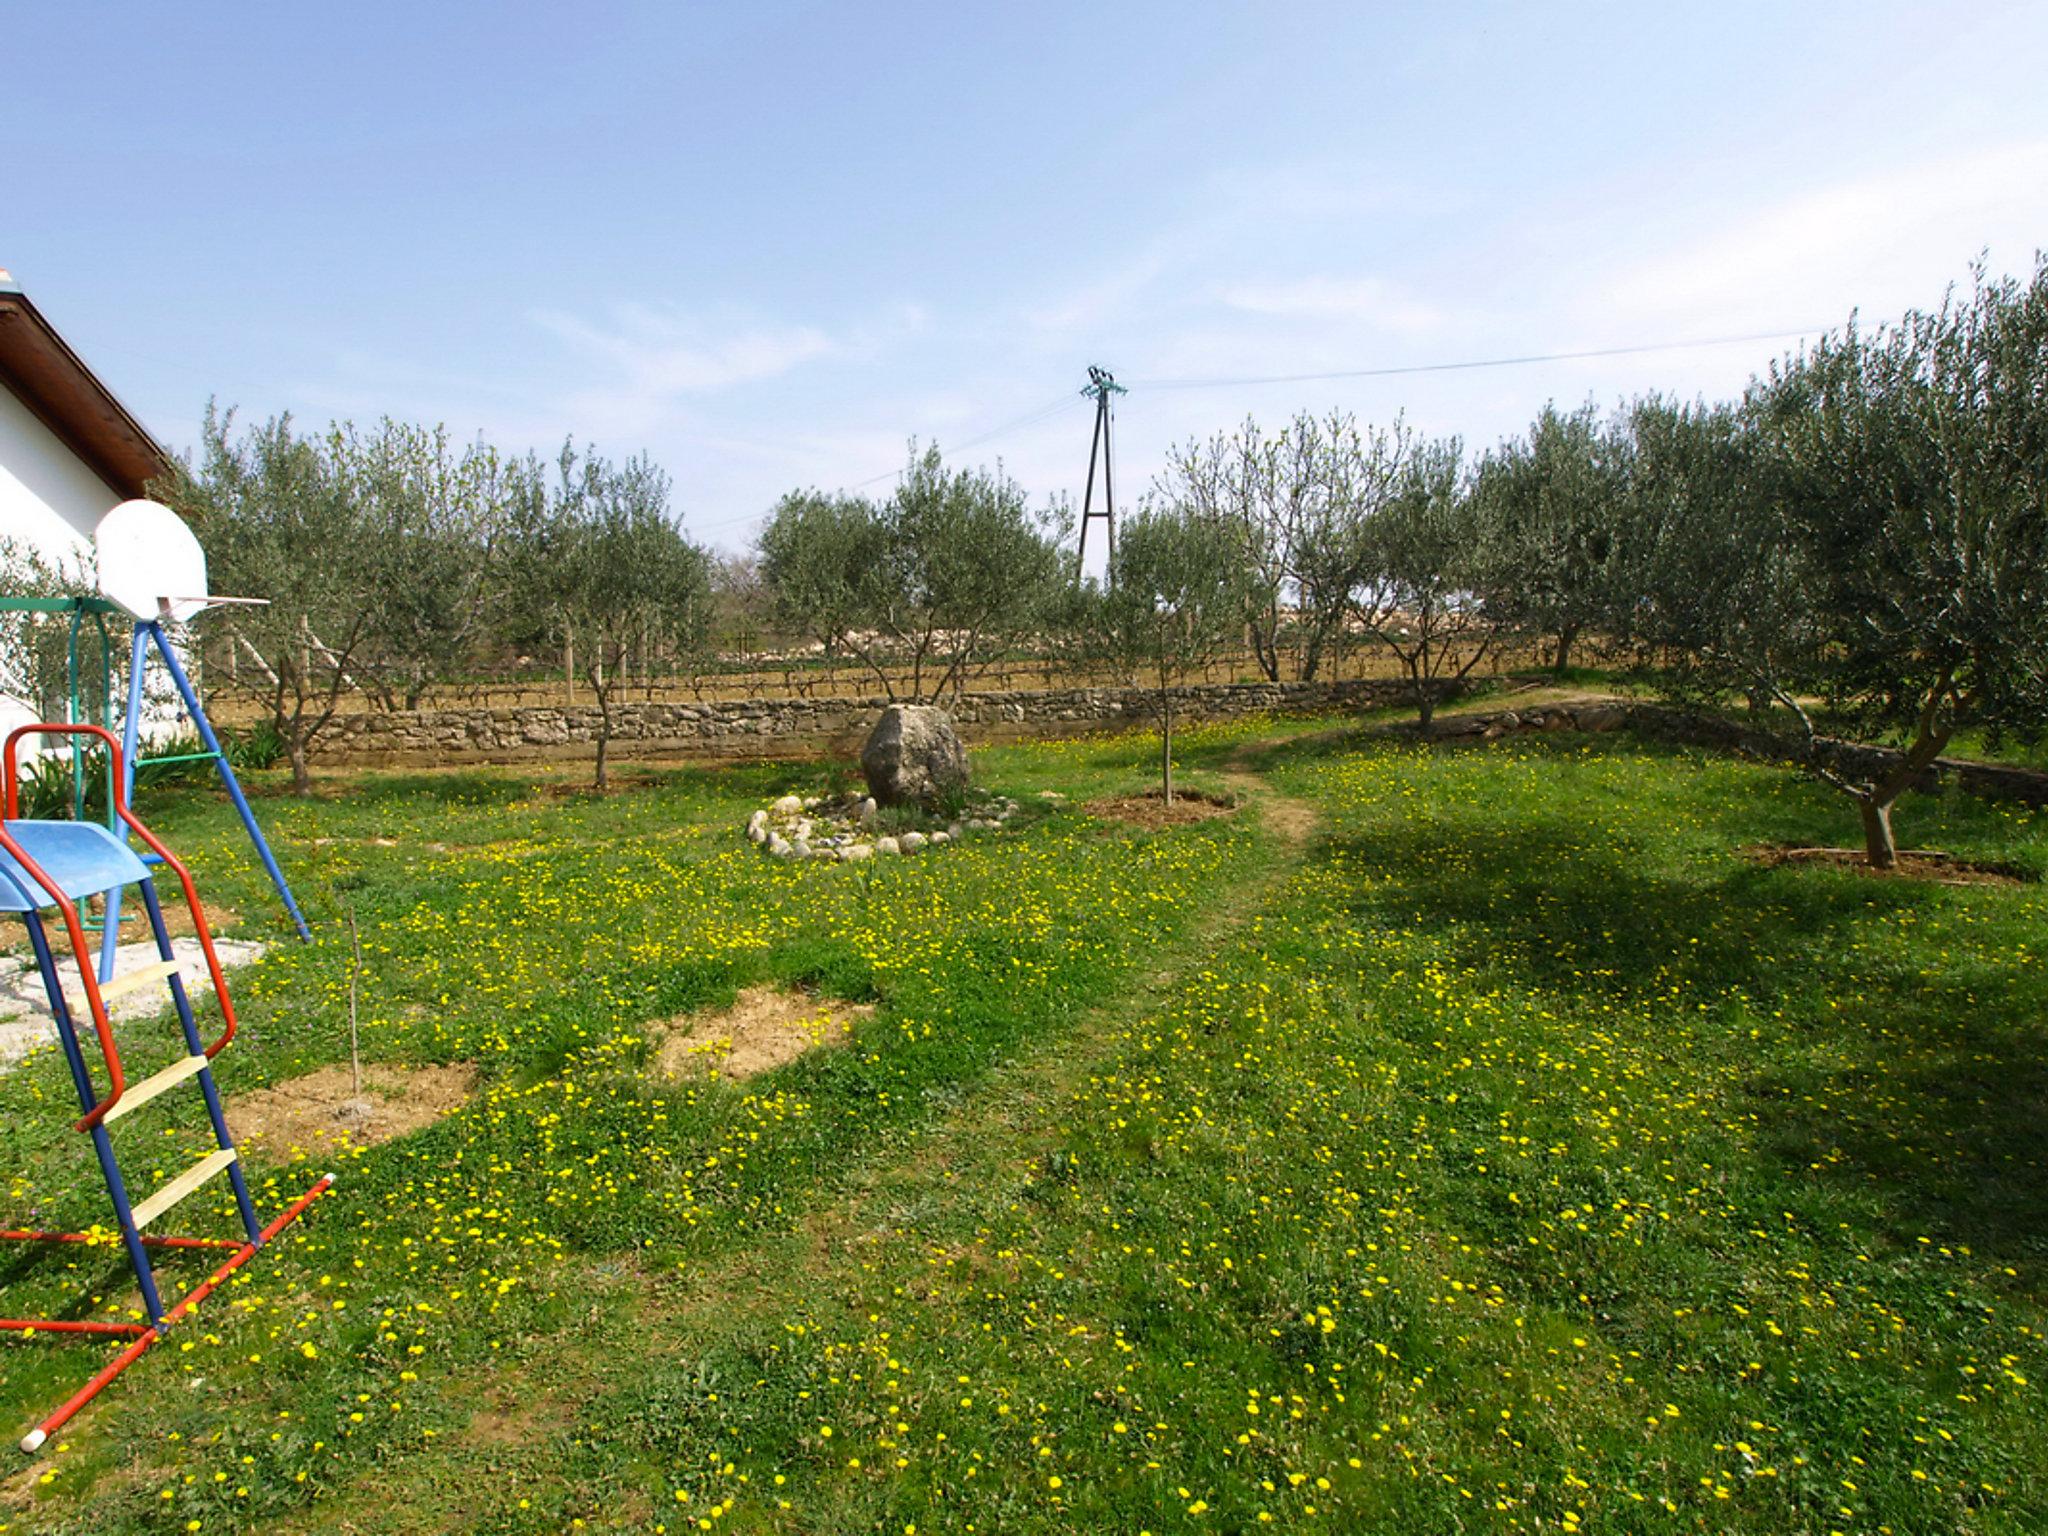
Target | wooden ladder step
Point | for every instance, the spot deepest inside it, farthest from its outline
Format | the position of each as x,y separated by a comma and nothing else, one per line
139,1094
137,979
183,1185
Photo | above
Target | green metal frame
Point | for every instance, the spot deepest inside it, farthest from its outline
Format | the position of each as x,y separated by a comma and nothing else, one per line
145,633
80,608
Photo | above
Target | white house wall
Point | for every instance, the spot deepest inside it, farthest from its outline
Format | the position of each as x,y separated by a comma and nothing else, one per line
48,498
51,501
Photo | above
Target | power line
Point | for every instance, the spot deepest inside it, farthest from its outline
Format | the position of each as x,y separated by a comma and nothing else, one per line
1064,401
1043,413
1483,362
1029,418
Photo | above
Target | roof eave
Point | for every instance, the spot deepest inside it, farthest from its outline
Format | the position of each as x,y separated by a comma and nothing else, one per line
39,368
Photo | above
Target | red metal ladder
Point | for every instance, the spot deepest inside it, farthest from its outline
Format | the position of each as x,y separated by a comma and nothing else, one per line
54,865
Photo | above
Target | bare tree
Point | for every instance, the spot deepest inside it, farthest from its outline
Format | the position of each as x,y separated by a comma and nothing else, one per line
740,604
1299,505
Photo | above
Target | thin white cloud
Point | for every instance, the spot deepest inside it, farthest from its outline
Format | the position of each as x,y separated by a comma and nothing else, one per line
1881,242
1372,302
666,352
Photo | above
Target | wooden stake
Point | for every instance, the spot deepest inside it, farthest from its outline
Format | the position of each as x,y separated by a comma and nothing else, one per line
355,1055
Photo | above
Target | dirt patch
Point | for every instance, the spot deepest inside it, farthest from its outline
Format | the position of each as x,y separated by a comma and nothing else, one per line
1914,864
622,781
177,916
510,1419
1294,820
321,1109
1151,810
766,1027
18,1489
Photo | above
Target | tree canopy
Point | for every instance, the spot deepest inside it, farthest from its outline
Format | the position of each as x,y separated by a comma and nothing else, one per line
604,566
938,576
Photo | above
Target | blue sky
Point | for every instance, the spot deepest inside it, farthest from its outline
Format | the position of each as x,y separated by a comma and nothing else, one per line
770,243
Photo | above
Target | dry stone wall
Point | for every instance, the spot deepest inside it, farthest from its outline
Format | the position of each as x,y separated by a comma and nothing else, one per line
805,727
799,727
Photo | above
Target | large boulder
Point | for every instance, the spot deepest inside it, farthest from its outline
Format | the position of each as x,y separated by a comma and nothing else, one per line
913,756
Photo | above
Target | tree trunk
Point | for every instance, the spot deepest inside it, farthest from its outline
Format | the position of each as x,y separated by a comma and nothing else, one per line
1922,753
295,750
601,692
1418,680
1878,846
1266,646
1566,635
1166,744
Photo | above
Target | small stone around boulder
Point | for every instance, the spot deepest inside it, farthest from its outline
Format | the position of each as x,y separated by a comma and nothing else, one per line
913,756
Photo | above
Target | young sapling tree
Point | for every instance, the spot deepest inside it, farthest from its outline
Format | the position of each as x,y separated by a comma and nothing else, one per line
1174,601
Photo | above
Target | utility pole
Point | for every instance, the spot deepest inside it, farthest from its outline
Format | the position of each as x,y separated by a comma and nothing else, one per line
1101,385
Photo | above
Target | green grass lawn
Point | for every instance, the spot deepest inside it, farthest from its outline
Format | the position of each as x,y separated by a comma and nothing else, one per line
1457,1139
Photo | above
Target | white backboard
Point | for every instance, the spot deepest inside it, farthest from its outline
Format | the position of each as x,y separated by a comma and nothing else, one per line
147,556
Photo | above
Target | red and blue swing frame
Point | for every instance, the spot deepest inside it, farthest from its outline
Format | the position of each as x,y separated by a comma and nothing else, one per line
140,1336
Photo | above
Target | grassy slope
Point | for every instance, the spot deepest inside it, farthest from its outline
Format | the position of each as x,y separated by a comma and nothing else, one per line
1511,1156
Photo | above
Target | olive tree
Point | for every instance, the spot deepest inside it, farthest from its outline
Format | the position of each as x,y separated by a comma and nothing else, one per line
281,524
1909,467
603,561
1171,605
441,517
1434,555
930,582
1553,497
33,646
1707,584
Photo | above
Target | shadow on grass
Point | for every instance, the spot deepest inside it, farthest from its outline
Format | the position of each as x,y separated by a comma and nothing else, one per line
438,789
1572,909
1912,1083
1942,1118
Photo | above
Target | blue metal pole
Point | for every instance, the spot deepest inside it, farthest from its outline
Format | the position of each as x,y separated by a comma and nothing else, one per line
102,1146
251,1227
131,741
220,757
